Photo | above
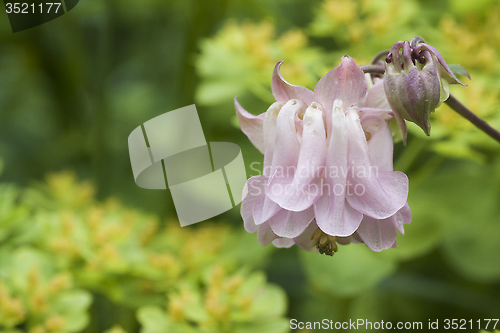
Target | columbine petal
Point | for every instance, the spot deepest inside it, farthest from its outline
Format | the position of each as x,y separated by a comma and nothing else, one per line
385,114
269,128
251,125
263,208
284,91
265,234
252,193
286,145
304,240
300,190
283,242
378,235
345,82
333,215
380,144
375,97
403,216
286,152
291,224
376,194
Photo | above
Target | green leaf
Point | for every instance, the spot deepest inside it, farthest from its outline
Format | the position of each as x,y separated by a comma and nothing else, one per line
458,70
243,243
463,199
73,305
473,247
115,329
75,300
426,228
154,320
12,215
24,260
391,306
213,92
276,326
194,308
269,303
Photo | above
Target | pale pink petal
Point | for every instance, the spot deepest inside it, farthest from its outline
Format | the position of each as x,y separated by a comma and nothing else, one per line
403,216
286,146
376,194
345,220
376,98
356,239
304,240
264,210
247,215
256,208
291,224
253,192
285,157
352,239
263,207
378,235
386,114
345,240
270,135
302,189
299,126
265,235
284,91
380,144
251,125
283,242
333,215
345,82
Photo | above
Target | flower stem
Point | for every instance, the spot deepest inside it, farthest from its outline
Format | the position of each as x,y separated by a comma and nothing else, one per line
470,116
373,69
380,56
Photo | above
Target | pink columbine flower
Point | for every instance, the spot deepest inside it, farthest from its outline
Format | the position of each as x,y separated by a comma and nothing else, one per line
328,174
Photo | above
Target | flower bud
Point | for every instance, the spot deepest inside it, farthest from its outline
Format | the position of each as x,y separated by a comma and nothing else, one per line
416,82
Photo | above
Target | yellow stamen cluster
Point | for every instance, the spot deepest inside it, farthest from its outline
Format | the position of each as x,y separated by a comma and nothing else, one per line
326,244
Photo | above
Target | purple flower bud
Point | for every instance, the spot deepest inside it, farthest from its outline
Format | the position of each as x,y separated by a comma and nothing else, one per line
416,82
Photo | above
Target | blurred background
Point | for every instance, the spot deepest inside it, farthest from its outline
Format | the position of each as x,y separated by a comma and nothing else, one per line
83,249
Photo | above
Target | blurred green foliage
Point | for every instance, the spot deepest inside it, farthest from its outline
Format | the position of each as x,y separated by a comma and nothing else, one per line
72,90
59,248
